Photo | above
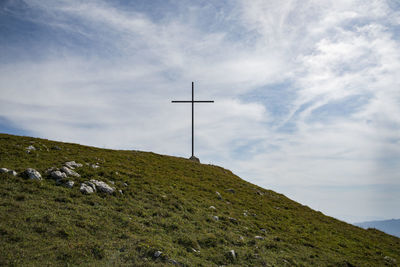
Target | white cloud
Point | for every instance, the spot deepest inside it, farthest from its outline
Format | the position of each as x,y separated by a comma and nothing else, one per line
114,88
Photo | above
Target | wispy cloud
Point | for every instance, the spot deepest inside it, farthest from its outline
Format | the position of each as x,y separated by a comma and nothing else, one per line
307,93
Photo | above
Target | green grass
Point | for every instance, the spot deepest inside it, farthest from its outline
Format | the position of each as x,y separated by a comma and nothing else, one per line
164,207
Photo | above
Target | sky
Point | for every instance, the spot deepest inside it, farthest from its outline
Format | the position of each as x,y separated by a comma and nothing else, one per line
307,93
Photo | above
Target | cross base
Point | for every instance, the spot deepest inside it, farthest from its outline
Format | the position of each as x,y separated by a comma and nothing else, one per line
195,159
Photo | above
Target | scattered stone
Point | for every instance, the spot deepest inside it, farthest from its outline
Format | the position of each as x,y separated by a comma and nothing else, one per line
112,182
120,191
103,187
95,166
30,148
230,190
263,230
69,184
390,260
216,218
157,254
241,238
125,184
92,185
12,172
232,254
233,220
32,174
57,175
212,208
218,195
69,172
86,189
259,193
174,262
5,170
73,164
259,237
50,170
56,148
195,251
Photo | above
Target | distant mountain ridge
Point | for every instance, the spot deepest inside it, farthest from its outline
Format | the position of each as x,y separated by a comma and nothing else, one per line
391,227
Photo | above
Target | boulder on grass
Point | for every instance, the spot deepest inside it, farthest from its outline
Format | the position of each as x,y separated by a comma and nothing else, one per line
86,189
73,164
32,174
69,172
103,187
57,175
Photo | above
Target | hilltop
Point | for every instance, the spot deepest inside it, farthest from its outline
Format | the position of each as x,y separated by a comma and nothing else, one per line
163,210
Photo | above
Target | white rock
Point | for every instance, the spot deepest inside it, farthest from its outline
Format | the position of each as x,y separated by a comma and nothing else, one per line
29,148
5,170
32,174
216,218
125,184
120,191
50,170
69,172
69,184
157,254
218,195
232,254
73,164
57,175
86,189
174,262
212,208
12,172
103,187
259,237
95,166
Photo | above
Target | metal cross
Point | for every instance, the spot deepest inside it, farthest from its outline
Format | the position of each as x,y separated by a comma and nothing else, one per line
192,101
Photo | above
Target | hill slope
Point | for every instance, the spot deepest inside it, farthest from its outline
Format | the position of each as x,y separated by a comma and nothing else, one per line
391,227
165,206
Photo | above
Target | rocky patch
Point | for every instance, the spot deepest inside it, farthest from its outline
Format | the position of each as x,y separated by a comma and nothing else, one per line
32,174
69,172
57,175
69,184
72,165
29,149
5,170
103,187
86,189
92,186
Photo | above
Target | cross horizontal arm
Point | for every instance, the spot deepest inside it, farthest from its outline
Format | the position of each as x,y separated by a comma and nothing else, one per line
189,101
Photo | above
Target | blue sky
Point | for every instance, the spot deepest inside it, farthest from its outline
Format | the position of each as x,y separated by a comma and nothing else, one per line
307,93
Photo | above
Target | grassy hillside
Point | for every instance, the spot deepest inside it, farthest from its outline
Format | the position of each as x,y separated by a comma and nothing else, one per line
165,206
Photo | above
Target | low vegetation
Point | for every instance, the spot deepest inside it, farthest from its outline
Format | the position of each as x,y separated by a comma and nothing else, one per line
165,206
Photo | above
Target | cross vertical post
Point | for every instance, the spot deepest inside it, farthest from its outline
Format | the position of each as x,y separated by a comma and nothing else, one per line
193,102
192,119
